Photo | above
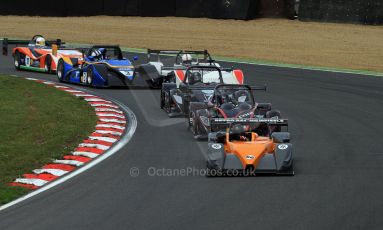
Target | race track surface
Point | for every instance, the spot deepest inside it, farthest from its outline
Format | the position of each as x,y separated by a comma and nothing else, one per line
337,127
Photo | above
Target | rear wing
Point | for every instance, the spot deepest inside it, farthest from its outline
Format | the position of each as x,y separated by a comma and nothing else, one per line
224,123
7,42
151,51
270,121
176,52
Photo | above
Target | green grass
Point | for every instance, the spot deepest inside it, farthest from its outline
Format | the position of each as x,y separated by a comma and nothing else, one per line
38,124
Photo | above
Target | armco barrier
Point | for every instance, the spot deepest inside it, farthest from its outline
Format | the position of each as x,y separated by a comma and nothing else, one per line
349,11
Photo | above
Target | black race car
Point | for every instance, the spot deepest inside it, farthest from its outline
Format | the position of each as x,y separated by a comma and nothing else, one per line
197,85
228,101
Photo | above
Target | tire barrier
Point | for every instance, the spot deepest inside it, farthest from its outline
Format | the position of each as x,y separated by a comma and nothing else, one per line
346,11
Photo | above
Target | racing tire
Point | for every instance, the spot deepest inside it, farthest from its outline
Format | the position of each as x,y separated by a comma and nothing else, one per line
17,60
89,76
162,101
60,70
167,102
194,126
190,120
48,64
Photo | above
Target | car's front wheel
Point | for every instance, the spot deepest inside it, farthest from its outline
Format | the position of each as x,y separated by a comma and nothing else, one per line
60,70
89,78
17,60
48,64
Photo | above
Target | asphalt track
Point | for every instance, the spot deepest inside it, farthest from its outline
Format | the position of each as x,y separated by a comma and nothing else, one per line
337,125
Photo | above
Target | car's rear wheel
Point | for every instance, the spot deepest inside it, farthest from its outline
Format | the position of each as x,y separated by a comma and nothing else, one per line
60,70
17,60
48,64
194,126
162,103
167,102
190,120
89,78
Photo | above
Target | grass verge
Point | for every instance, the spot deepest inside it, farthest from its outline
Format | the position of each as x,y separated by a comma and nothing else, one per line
38,124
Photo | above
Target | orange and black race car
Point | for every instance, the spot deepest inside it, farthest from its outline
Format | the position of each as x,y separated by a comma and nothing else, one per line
39,54
249,147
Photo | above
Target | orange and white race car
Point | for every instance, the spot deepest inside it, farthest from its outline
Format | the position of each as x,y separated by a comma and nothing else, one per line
39,54
169,66
250,147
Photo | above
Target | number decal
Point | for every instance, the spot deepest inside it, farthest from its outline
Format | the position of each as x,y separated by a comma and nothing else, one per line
84,77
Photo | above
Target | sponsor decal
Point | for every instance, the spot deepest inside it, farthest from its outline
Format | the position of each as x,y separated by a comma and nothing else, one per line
216,146
250,157
283,146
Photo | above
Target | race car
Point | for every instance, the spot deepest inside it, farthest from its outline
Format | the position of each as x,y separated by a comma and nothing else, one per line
169,66
102,66
39,54
227,101
245,149
197,86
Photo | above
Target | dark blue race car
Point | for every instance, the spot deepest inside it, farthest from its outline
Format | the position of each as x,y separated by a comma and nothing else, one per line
102,66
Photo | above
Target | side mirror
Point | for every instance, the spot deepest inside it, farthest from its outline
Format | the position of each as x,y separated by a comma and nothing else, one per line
135,58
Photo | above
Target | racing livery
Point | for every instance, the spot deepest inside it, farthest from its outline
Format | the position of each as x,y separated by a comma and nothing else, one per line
249,147
39,54
102,66
166,66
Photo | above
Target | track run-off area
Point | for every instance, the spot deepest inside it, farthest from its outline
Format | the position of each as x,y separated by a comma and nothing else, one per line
336,124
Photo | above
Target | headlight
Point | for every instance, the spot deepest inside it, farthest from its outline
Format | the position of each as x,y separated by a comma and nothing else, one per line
127,72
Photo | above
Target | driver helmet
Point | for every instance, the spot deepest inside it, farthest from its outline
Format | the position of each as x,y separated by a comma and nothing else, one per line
40,41
223,98
238,131
195,77
103,52
96,54
241,96
186,59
